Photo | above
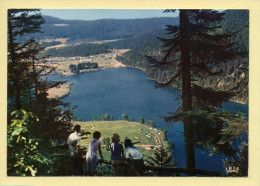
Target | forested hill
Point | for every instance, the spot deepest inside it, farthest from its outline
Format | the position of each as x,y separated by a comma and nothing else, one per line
104,29
139,35
235,20
238,20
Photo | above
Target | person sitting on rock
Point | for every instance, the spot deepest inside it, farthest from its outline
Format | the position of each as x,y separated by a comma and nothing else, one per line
134,158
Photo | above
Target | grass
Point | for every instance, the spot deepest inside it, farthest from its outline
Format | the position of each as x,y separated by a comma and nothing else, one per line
135,131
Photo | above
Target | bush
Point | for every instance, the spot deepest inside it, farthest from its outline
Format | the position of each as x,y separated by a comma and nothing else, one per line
141,120
25,157
150,123
164,131
171,145
106,117
125,117
105,170
106,142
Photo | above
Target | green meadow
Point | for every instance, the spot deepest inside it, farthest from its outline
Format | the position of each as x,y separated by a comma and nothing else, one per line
135,131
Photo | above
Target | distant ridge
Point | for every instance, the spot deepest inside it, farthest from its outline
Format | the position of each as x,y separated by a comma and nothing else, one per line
103,29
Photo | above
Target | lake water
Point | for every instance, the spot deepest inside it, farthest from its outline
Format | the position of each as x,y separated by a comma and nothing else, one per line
129,91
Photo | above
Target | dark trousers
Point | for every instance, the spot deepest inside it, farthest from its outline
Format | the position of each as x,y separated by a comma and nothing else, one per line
78,166
136,167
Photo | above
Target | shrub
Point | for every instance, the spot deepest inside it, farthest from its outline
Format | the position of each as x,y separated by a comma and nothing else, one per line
125,117
24,155
106,117
141,120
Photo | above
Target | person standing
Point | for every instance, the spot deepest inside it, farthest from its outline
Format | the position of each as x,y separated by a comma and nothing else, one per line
117,154
92,157
74,141
75,151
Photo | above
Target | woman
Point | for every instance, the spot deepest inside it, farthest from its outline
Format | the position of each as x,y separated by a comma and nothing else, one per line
117,154
92,157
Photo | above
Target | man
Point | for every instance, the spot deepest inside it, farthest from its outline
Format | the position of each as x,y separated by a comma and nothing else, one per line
74,150
134,158
74,141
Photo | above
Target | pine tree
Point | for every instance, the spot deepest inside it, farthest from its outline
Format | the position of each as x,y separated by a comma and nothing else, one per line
28,84
192,51
161,157
125,117
18,54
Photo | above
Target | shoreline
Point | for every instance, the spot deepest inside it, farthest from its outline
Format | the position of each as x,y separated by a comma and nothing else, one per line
60,91
93,70
149,78
113,63
116,65
62,68
104,61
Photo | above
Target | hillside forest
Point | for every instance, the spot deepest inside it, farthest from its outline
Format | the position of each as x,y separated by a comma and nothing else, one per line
203,53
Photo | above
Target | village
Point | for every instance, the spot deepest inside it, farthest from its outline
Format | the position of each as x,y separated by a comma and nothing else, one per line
56,60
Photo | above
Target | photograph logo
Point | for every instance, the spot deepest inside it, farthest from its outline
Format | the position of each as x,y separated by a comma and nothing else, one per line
232,169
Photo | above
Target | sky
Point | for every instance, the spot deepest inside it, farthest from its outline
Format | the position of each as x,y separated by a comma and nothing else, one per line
94,14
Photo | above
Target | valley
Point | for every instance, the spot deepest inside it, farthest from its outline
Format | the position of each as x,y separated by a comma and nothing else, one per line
168,82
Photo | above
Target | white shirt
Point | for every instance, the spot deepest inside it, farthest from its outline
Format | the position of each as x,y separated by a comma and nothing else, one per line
133,153
73,140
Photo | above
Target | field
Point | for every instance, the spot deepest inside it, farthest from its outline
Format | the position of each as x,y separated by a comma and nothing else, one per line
135,131
104,61
60,91
62,40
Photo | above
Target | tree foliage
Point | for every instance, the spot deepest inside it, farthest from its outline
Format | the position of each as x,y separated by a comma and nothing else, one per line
193,49
27,90
106,117
238,163
125,117
141,120
78,50
150,123
106,142
233,72
25,156
161,157
82,66
104,29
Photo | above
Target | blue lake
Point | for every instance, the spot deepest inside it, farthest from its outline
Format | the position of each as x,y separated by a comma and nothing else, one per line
129,91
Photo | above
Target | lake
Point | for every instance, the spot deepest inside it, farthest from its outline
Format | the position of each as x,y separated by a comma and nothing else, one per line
128,91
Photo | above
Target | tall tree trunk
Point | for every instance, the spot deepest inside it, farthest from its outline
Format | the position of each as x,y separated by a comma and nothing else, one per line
186,88
13,61
35,80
